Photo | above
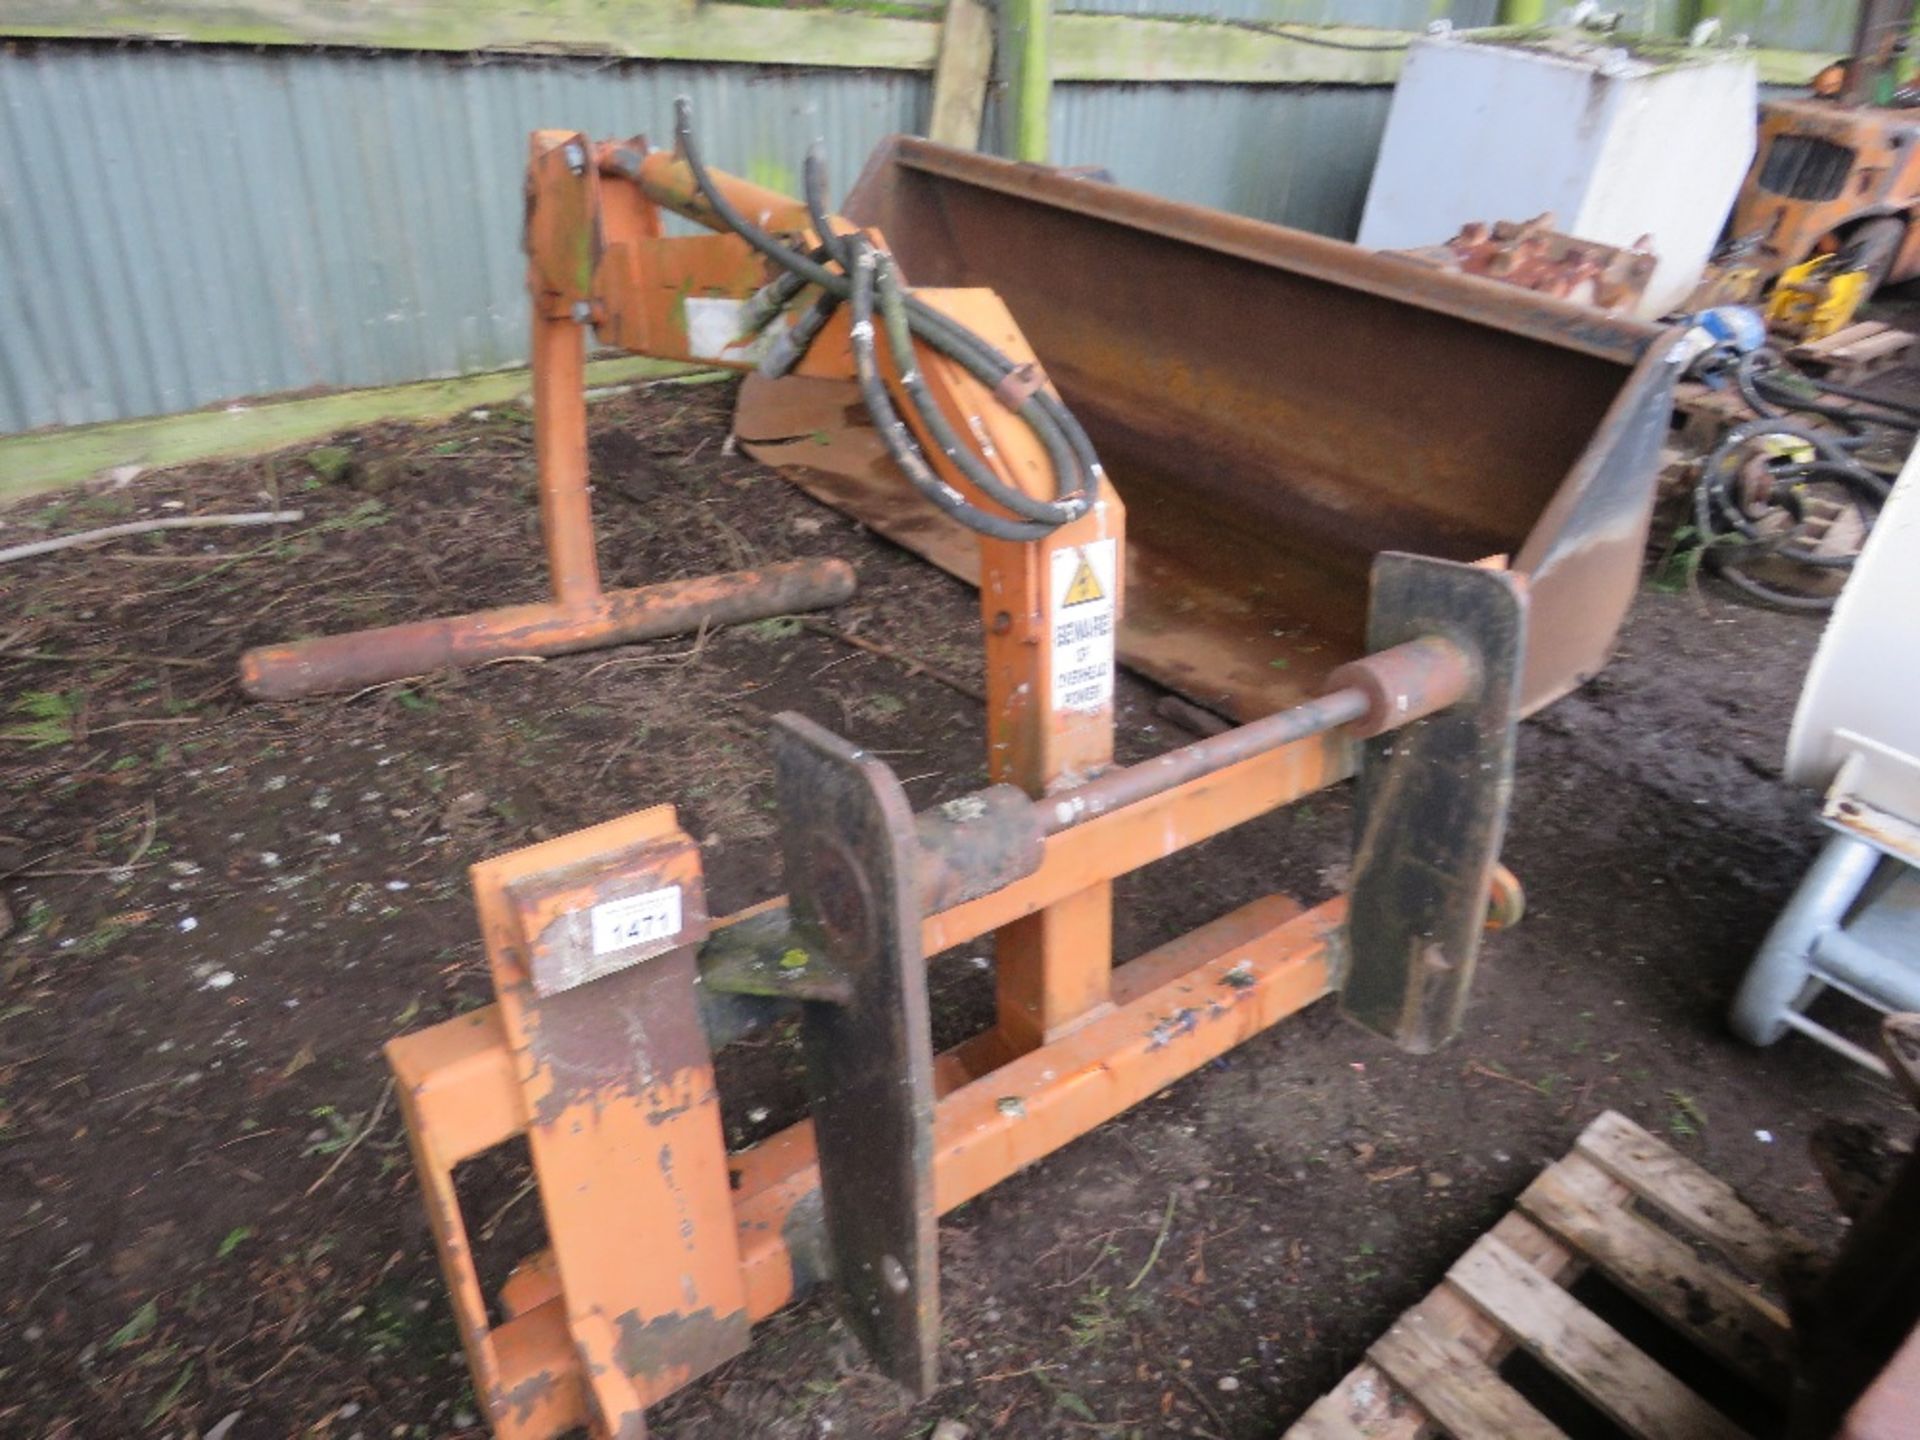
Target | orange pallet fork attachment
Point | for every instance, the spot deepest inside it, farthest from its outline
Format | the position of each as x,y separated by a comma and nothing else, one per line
852,1194
614,987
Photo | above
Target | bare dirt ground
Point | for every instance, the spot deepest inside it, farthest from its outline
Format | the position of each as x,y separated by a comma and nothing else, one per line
221,910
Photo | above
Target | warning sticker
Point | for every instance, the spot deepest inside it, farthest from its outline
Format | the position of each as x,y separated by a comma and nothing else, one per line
1082,620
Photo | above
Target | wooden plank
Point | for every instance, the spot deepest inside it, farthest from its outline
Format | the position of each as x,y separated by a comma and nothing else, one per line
1704,1304
875,34
870,34
1701,1203
1584,1350
1089,47
1858,330
1900,1039
1325,1420
45,460
1870,348
1374,1405
961,74
1454,1385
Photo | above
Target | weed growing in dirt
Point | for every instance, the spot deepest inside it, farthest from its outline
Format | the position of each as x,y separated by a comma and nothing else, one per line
1688,1118
780,627
1101,1315
51,718
339,1132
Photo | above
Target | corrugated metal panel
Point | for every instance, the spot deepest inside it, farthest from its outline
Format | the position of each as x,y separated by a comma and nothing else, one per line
180,226
1298,155
1817,25
1392,14
1821,26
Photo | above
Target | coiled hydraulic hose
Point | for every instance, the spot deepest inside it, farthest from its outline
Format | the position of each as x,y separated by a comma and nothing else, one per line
1731,535
1767,394
867,279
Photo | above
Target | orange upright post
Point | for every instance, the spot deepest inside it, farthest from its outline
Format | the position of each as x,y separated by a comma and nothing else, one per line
560,450
1050,610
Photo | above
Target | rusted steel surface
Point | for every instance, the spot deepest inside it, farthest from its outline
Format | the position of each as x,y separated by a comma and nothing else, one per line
609,984
1000,1106
1405,683
975,845
1431,806
673,607
1818,169
612,1084
1275,409
665,179
852,865
1532,255
1133,784
564,946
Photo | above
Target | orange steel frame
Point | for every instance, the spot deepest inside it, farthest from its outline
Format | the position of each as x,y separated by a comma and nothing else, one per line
1077,1040
596,257
1157,1018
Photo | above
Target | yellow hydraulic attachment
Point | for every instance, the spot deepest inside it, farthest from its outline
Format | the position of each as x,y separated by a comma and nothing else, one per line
1816,298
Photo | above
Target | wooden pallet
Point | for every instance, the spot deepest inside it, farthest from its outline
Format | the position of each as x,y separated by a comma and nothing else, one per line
1659,1228
1853,353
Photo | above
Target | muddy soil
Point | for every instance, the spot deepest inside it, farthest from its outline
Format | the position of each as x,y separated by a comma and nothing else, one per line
221,910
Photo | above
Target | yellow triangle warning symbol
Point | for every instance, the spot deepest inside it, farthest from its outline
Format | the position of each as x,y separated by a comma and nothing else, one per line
1085,586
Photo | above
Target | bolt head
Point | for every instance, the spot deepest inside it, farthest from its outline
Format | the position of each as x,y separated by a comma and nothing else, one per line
576,156
582,312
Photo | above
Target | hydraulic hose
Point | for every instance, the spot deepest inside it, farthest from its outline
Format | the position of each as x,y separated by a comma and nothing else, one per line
865,279
1729,534
1768,395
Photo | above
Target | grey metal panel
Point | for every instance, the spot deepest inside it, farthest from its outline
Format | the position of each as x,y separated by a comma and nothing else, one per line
1297,155
181,226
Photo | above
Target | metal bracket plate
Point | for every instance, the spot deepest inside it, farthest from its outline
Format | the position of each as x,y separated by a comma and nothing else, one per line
623,1119
1432,803
851,863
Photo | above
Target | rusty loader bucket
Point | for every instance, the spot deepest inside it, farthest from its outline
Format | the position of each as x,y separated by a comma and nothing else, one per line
1275,409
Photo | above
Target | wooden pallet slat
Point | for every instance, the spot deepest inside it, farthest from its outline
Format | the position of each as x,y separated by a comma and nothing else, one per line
1701,1203
1736,1324
1857,351
1659,1229
1327,1420
1456,1386
1582,1349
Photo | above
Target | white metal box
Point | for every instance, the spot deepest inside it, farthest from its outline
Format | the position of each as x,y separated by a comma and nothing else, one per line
1618,137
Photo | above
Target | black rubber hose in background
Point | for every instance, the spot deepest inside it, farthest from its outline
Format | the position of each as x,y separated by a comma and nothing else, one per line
1719,517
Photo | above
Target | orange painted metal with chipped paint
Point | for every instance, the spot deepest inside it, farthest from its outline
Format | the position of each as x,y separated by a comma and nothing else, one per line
473,1083
663,1248
596,256
466,1084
